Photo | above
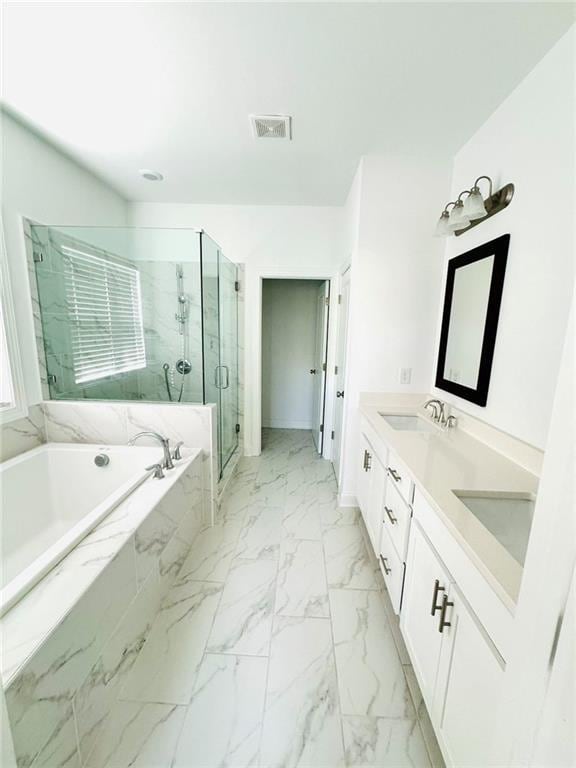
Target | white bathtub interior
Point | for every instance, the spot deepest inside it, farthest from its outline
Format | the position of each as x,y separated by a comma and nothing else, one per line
55,495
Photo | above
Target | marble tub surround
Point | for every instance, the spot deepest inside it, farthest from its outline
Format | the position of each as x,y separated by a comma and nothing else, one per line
22,434
444,461
226,678
117,422
68,645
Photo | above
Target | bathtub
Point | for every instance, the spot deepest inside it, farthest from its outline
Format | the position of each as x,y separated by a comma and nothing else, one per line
52,497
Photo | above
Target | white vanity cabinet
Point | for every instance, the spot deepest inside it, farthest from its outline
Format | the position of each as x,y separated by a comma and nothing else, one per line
371,485
458,667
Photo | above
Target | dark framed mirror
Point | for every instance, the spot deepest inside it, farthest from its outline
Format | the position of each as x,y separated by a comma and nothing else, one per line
474,285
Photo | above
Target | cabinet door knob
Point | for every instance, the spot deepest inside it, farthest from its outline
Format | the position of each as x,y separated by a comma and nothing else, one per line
387,569
312,371
391,517
340,393
443,623
435,606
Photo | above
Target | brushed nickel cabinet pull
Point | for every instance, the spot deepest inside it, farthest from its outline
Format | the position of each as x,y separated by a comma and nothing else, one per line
435,606
443,623
394,475
384,560
390,514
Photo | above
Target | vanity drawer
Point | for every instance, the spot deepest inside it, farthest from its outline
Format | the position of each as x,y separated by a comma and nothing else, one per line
392,569
400,477
396,519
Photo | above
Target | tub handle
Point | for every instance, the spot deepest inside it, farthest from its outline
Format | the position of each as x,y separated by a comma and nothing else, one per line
158,472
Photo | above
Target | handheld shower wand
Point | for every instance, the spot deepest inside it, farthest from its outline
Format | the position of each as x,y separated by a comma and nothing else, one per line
166,368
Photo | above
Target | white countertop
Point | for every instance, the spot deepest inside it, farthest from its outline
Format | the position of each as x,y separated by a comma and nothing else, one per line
446,460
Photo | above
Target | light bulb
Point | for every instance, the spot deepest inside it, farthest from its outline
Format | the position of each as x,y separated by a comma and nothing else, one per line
457,218
442,226
474,207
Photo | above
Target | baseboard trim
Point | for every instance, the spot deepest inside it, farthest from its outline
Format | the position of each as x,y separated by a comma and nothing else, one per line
280,424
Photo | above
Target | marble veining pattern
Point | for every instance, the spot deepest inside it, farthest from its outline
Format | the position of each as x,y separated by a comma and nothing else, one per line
274,646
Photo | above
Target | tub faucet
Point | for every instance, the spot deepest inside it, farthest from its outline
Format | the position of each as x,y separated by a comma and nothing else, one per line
438,410
164,442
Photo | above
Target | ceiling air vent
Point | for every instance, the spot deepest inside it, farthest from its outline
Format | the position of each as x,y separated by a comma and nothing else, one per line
271,126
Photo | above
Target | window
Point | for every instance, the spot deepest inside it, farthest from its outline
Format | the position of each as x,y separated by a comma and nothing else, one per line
6,385
12,398
106,316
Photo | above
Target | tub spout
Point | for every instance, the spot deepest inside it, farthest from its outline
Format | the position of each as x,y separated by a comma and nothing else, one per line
164,442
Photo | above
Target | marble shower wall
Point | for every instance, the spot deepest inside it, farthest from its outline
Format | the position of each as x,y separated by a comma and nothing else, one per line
163,341
22,434
60,697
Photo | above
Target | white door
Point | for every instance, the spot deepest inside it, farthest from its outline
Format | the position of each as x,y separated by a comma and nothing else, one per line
343,303
377,474
427,582
363,476
468,687
319,369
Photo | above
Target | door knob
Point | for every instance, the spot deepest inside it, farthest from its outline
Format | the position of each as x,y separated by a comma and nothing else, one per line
340,393
312,371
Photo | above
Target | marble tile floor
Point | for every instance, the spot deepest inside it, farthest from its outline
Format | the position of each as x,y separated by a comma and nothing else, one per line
277,646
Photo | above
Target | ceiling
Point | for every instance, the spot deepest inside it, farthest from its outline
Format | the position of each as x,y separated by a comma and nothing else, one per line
170,86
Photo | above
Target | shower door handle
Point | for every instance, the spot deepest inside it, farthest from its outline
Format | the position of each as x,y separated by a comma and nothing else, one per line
218,378
227,376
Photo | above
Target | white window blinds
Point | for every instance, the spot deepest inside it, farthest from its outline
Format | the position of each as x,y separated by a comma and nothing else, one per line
106,313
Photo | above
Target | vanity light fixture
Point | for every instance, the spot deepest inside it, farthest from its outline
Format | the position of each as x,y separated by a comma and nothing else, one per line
467,213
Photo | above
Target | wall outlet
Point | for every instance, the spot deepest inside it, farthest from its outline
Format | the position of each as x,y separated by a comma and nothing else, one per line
405,375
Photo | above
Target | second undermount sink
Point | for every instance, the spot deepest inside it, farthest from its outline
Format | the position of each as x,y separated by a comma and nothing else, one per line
508,517
408,422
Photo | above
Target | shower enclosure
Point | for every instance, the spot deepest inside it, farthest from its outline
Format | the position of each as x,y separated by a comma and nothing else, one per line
138,314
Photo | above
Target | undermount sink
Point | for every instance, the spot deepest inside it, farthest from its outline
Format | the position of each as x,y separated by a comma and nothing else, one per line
408,422
508,517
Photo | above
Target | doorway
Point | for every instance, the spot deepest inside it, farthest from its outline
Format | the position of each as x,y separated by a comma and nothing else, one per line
340,373
294,351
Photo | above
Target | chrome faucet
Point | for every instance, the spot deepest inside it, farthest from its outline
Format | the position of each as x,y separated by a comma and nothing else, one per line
164,442
438,410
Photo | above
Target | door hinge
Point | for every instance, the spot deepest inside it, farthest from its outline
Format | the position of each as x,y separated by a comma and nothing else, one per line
321,427
37,256
332,435
327,301
339,298
237,428
323,366
237,285
51,378
335,370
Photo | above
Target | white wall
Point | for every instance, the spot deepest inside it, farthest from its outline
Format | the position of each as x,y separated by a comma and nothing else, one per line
272,241
288,346
395,282
529,140
46,186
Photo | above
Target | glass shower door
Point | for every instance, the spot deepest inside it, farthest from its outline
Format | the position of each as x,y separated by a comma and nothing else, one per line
228,306
220,343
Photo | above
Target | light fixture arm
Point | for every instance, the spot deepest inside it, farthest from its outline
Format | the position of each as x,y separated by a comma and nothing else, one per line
488,179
